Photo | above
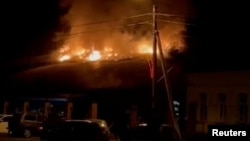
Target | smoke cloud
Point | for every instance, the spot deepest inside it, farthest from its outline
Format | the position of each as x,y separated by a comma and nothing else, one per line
98,24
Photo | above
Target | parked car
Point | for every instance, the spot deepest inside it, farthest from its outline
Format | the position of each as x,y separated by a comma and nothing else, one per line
102,123
26,124
4,122
164,132
77,130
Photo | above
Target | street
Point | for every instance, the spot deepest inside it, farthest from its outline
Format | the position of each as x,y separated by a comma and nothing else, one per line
5,137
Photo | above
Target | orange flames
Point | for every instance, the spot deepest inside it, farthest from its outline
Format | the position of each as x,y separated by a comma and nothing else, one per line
64,58
68,53
145,48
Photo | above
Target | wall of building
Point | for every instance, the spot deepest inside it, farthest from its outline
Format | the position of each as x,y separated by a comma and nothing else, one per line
214,88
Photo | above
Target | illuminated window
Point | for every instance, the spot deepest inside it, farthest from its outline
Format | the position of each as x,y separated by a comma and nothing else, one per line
243,107
203,106
222,105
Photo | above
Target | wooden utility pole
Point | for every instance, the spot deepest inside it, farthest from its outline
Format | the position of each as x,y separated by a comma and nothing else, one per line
169,97
154,58
169,100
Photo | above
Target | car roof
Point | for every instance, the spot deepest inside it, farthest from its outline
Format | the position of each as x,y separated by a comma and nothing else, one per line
96,120
85,120
100,122
75,120
28,113
5,115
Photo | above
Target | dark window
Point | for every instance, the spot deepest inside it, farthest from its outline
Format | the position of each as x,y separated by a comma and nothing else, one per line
243,107
41,118
30,117
203,106
222,106
203,97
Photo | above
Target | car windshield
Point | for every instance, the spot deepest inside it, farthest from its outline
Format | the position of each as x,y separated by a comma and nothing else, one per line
17,116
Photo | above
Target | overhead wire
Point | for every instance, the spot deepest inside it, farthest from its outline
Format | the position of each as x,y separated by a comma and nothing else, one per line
174,15
106,29
174,22
123,26
111,20
126,18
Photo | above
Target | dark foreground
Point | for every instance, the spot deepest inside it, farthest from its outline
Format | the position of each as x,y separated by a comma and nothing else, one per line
5,137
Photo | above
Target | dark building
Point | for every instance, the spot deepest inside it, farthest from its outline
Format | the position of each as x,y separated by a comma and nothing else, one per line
218,98
117,87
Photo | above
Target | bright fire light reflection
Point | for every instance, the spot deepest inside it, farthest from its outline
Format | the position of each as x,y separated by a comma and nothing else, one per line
94,56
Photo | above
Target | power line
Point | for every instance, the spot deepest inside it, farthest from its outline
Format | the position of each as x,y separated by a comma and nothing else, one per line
174,22
123,26
139,23
94,23
126,18
137,16
173,15
111,21
106,29
116,27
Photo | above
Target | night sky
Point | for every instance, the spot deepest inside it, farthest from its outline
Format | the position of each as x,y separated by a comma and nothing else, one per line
217,41
221,36
29,26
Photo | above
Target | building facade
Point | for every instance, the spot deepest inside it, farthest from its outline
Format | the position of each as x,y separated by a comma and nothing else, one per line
217,98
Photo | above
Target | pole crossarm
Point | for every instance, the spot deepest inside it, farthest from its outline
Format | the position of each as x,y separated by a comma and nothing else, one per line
162,77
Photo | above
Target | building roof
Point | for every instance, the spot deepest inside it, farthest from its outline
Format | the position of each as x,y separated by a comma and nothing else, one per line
81,76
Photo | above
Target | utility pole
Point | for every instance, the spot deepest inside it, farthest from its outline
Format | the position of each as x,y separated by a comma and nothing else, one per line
169,100
170,107
154,58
